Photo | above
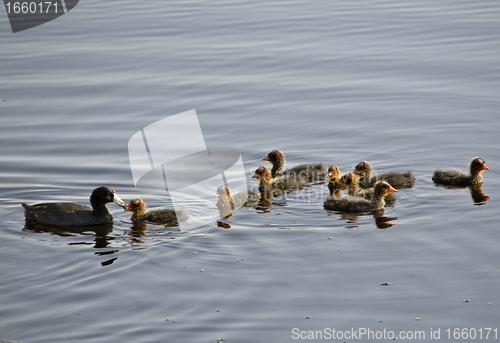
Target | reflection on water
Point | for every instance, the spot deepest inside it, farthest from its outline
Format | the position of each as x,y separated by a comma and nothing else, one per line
137,231
325,82
264,204
478,195
381,221
223,224
476,192
100,231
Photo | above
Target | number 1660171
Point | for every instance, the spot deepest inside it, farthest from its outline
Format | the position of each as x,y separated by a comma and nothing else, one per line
30,7
471,333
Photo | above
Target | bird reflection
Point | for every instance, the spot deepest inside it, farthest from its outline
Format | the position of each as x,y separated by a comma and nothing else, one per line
223,224
476,192
100,231
478,195
137,230
264,204
381,221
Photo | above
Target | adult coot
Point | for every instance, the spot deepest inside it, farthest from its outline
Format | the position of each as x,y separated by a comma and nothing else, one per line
69,214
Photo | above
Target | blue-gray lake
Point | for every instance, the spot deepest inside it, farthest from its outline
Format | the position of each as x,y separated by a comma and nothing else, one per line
404,85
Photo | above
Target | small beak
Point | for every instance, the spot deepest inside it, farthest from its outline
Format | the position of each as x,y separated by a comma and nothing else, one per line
217,195
330,174
485,167
255,176
392,189
356,171
119,201
265,159
128,207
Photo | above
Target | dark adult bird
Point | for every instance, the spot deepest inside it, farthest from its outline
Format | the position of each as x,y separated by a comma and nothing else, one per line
69,214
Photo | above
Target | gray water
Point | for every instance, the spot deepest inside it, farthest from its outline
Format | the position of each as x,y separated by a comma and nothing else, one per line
404,85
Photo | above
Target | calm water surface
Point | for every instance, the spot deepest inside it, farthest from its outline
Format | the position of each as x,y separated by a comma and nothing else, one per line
409,85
